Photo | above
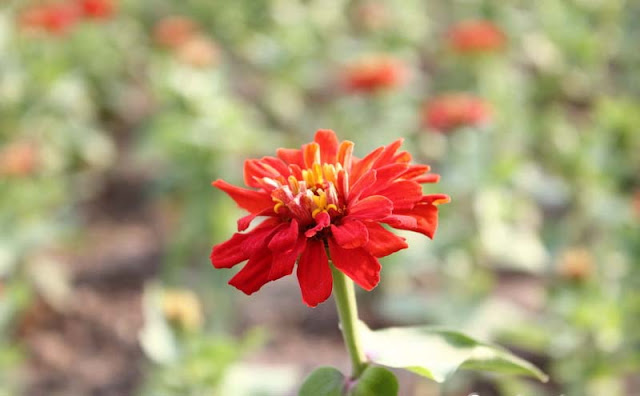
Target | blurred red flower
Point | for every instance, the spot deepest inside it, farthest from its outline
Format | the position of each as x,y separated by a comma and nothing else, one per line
322,203
476,36
174,31
56,18
450,111
18,159
99,9
198,51
373,73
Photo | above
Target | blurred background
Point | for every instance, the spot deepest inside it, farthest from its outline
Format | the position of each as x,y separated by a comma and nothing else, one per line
115,116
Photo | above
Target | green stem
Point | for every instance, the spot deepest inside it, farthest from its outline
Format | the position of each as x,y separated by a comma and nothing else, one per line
345,296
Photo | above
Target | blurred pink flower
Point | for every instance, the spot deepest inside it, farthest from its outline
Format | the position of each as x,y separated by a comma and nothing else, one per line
99,9
476,36
174,31
54,18
450,111
373,73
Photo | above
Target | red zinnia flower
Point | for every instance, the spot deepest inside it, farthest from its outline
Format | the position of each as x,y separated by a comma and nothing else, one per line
476,36
98,9
53,18
322,201
174,31
373,73
18,159
451,111
198,51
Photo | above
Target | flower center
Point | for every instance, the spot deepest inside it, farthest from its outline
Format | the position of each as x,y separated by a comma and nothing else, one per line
310,194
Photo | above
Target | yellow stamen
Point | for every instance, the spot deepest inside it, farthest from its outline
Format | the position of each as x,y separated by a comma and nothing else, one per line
308,177
329,173
317,173
293,183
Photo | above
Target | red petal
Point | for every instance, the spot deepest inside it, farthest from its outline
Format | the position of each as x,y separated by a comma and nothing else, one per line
285,237
386,156
311,154
375,207
360,167
314,274
270,167
430,178
357,264
383,242
328,142
350,234
241,246
283,261
385,176
253,201
276,163
322,221
403,156
425,216
401,222
290,156
404,194
415,171
245,222
365,182
436,199
255,274
345,154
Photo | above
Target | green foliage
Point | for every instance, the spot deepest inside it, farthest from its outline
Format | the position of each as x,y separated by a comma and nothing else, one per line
436,353
329,381
375,381
323,381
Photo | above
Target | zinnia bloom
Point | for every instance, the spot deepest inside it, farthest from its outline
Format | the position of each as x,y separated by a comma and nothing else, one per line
576,264
450,111
320,203
198,51
18,159
476,36
174,31
53,18
98,9
373,73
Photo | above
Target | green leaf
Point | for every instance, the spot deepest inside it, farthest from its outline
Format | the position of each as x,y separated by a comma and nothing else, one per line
376,381
323,381
437,353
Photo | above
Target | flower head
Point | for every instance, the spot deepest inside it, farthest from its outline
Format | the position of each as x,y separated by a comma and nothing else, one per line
198,51
18,159
476,36
373,73
183,308
450,111
98,9
173,31
320,203
55,18
576,264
